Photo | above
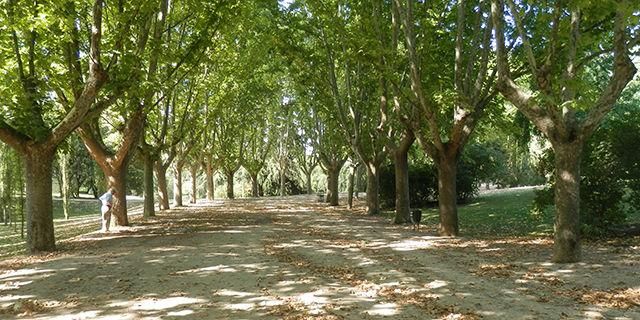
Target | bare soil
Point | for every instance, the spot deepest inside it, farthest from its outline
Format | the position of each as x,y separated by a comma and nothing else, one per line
294,258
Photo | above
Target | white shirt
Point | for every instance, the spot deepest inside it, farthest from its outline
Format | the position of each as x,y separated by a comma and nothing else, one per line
107,199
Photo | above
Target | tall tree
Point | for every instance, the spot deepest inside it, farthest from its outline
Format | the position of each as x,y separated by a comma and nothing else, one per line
563,46
450,105
396,111
355,85
243,88
332,154
176,126
304,153
327,49
131,110
231,146
259,144
35,125
149,72
184,149
63,164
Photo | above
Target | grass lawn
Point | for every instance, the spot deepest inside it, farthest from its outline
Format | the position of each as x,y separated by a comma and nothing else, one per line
84,217
77,208
503,213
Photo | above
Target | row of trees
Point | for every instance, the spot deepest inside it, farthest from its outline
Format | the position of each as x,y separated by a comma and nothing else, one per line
385,74
108,68
222,84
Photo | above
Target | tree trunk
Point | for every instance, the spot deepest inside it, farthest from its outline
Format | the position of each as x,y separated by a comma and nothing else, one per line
210,186
229,175
356,182
177,186
308,178
447,196
254,185
8,190
161,176
194,184
115,166
64,186
566,246
333,175
283,180
373,186
22,204
350,186
149,200
401,167
117,179
39,204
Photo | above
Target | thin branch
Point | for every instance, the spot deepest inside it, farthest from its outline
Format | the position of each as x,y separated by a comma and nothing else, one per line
623,73
525,39
568,93
459,47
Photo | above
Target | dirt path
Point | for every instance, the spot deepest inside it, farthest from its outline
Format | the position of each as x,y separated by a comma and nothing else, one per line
293,258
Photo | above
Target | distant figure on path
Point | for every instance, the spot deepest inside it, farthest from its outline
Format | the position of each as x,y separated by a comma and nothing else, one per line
107,202
416,216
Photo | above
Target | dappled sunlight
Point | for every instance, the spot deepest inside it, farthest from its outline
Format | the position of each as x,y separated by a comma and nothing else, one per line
90,314
163,304
218,268
182,313
12,298
436,284
410,244
233,293
27,273
10,285
168,249
286,258
254,267
384,309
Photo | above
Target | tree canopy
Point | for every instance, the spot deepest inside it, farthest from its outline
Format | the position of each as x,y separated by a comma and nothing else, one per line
287,86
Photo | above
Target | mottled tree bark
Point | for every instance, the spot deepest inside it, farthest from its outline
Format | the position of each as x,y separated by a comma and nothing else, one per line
332,186
117,179
39,204
567,202
161,176
447,196
210,185
149,201
401,167
351,185
229,175
373,186
255,192
194,183
177,185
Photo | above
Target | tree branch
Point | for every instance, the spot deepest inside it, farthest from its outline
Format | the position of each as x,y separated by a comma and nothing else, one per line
525,40
623,73
97,78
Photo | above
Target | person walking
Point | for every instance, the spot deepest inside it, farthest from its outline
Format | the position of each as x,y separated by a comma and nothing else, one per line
107,203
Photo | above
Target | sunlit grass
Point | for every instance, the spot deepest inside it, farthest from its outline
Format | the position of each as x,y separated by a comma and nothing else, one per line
499,214
504,213
84,217
77,208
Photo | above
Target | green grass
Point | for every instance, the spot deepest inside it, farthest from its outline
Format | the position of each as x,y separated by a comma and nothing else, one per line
504,213
84,217
77,208
499,214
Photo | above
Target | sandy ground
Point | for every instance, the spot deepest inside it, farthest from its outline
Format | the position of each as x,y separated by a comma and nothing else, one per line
294,258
